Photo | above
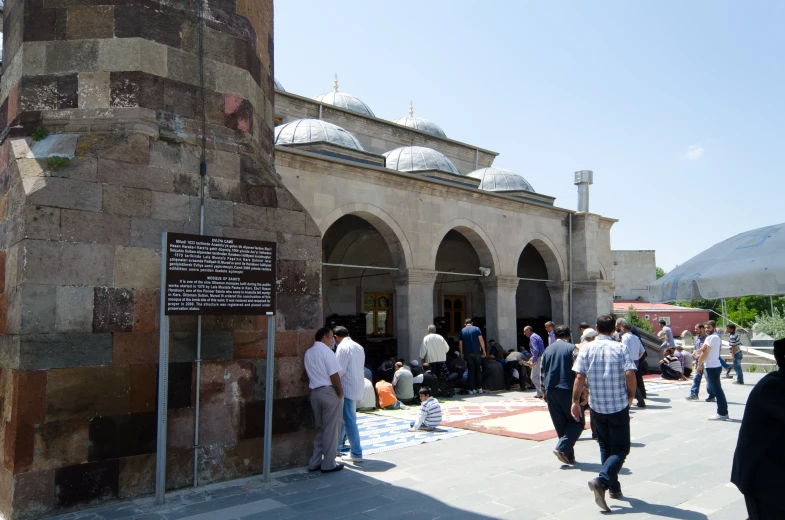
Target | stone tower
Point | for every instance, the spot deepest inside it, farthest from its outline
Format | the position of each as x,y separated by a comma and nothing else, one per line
103,106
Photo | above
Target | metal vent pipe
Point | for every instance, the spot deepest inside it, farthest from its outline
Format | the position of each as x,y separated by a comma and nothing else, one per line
583,178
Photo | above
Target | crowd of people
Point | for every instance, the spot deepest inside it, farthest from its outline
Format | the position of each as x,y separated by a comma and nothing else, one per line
602,374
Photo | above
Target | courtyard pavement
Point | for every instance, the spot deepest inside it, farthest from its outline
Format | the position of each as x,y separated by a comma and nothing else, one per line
679,468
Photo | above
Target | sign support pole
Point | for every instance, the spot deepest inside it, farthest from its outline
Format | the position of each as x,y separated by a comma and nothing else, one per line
163,387
268,397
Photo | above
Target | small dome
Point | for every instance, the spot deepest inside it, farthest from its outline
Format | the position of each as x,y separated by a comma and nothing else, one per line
421,124
416,158
315,130
278,86
499,179
345,101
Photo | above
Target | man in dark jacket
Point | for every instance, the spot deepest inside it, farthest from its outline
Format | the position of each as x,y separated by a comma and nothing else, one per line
759,459
558,379
517,361
493,375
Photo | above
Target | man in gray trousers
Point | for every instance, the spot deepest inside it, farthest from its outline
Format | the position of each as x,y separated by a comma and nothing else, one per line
324,380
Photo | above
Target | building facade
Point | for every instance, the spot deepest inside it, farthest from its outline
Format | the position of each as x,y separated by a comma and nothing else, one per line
633,271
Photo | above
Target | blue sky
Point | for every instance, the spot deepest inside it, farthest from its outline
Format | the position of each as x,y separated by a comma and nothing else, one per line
678,107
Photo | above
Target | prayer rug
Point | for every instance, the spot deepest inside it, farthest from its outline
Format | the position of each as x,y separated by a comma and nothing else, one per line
379,434
532,423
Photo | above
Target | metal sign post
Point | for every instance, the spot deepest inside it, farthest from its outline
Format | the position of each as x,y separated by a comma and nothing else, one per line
163,387
268,397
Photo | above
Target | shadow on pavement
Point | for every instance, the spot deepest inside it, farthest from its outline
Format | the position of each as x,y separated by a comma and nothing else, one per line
659,510
593,467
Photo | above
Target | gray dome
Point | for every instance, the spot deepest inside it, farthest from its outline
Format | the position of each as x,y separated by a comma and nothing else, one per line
315,130
421,124
346,101
415,158
278,86
499,179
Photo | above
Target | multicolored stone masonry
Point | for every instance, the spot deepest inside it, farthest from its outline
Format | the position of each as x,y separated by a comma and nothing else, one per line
100,113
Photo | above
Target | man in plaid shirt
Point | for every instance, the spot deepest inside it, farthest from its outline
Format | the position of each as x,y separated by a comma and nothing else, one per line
611,374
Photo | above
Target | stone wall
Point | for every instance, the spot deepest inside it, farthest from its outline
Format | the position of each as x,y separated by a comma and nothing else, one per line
116,85
633,271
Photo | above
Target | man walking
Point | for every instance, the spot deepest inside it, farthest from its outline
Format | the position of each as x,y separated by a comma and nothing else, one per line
559,379
351,357
734,341
759,458
550,327
635,348
710,355
434,352
537,349
472,349
697,343
324,380
610,372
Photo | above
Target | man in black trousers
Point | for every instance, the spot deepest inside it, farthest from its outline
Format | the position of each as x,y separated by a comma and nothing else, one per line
558,377
759,459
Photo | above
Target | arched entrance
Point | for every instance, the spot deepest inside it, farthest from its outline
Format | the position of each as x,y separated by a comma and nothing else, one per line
537,266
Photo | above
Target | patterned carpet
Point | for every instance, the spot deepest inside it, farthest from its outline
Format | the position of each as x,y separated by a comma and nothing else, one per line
379,434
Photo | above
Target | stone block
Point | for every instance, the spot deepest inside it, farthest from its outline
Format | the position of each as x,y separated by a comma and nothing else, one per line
286,200
85,482
218,424
180,429
165,155
290,378
133,202
134,348
286,343
102,228
113,310
239,114
9,351
71,56
60,443
227,382
44,351
120,173
258,195
74,309
136,21
63,193
252,217
95,21
181,66
136,89
34,492
299,247
79,169
216,346
137,267
305,340
94,90
171,206
66,264
240,459
147,232
180,385
42,222
144,379
3,314
39,24
218,212
134,148
260,377
146,303
84,392
299,277
289,416
180,98
113,437
298,312
137,475
38,309
25,404
250,345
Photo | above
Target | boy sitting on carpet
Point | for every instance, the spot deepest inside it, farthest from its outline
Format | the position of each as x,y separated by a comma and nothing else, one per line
430,412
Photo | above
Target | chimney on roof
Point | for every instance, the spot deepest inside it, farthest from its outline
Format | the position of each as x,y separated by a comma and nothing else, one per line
583,178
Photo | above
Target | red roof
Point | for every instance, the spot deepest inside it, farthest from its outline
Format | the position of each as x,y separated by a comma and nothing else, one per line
624,305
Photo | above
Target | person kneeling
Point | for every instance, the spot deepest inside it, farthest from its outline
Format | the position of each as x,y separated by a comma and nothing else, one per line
430,415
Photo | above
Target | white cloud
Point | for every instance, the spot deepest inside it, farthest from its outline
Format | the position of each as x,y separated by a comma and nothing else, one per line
694,153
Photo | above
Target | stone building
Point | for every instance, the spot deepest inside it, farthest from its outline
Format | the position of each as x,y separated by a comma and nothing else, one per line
633,271
103,110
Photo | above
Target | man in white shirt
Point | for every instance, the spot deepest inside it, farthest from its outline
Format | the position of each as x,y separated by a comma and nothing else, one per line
434,352
710,355
636,349
351,357
324,380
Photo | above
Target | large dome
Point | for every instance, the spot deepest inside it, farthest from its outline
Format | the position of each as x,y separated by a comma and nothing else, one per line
499,179
421,124
346,101
315,130
416,158
278,85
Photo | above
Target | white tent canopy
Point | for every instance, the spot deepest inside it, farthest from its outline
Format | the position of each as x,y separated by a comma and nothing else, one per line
751,263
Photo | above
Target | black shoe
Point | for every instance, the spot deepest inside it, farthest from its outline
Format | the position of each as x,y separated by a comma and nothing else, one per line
711,399
617,495
640,404
314,469
599,494
338,467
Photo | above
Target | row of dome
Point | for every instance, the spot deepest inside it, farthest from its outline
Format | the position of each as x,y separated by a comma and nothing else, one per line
405,158
354,104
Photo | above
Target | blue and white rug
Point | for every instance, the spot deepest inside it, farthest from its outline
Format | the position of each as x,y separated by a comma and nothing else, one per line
379,434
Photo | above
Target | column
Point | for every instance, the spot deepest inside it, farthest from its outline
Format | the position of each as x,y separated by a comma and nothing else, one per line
413,309
591,299
500,310
560,302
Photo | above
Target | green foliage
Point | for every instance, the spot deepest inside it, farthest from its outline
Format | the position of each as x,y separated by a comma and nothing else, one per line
56,162
660,272
744,311
39,133
636,321
774,325
753,368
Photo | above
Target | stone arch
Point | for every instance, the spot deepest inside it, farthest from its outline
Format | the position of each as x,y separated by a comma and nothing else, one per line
548,252
383,222
478,238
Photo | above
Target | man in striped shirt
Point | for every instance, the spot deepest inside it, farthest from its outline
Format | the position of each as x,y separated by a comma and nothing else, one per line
430,412
351,357
670,366
734,341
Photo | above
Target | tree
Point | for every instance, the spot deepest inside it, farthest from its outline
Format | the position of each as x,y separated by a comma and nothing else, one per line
774,325
636,321
660,272
744,311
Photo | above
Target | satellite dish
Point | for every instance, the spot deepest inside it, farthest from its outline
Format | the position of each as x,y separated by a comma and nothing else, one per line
485,271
